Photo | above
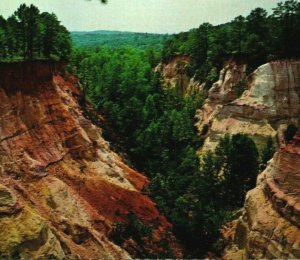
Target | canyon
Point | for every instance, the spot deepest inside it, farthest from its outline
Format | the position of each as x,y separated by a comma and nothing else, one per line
63,190
123,145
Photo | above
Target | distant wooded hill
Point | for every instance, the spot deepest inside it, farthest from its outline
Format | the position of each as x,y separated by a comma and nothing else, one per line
117,39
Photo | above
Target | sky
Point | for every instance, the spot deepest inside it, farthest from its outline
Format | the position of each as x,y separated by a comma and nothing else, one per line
153,16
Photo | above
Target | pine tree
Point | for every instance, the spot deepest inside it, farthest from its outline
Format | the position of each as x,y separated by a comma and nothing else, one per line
29,35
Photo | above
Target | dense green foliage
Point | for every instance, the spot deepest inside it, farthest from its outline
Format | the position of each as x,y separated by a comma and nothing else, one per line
30,35
256,38
218,189
118,39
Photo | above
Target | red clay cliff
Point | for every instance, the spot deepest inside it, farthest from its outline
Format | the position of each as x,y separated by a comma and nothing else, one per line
62,188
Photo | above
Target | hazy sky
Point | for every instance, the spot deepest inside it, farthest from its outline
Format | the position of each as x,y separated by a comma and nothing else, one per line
160,16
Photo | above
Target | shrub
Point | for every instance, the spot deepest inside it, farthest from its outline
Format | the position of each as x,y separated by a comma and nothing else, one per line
290,132
133,228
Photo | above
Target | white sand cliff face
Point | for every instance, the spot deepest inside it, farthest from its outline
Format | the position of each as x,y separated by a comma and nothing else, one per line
268,105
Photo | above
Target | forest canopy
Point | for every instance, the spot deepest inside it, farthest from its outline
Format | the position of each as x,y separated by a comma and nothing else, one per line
118,39
31,35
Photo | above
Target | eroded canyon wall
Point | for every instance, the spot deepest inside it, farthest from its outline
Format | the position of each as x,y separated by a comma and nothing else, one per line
62,188
269,225
267,105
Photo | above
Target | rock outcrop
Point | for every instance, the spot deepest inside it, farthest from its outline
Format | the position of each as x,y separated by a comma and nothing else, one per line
268,104
174,75
61,186
270,225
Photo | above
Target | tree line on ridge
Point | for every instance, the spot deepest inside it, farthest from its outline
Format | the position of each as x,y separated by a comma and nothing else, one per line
31,35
